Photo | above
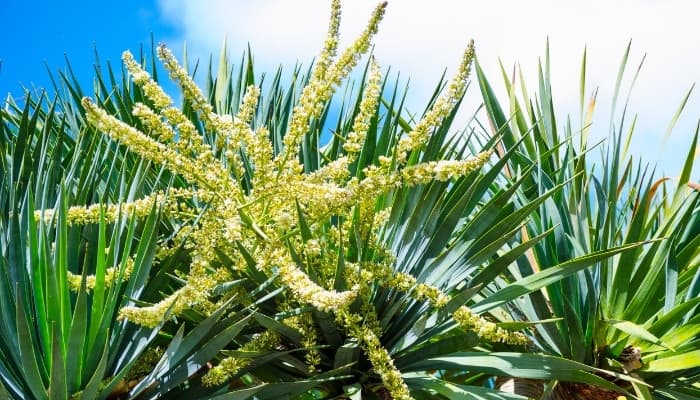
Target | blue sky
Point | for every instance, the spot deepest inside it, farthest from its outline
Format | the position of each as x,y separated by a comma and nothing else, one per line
39,33
419,38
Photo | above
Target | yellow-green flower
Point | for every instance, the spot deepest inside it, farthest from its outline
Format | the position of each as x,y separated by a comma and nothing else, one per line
279,202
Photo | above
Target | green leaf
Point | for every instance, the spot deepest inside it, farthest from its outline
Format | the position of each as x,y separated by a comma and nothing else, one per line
642,391
547,277
530,366
339,283
327,327
199,357
58,389
679,393
282,390
92,388
677,114
453,391
461,298
347,354
520,325
683,361
437,347
30,366
489,273
682,335
182,346
76,338
666,322
637,331
4,394
303,225
98,293
279,327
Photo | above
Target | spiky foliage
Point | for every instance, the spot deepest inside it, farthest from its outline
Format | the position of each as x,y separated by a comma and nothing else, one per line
60,335
361,267
635,313
285,223
64,276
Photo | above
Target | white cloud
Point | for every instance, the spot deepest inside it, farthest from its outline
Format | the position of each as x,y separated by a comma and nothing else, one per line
421,38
